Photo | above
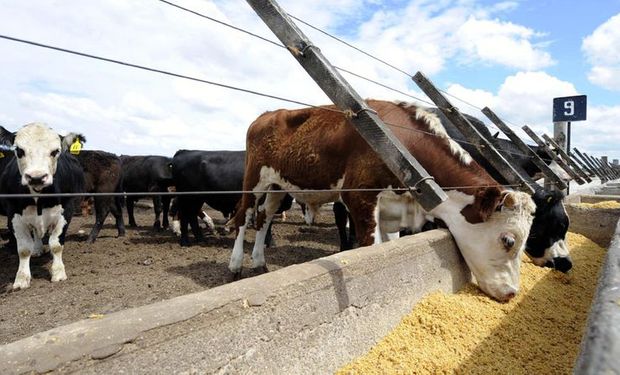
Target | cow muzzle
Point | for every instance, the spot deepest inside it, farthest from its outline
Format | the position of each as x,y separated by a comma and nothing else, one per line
37,181
562,264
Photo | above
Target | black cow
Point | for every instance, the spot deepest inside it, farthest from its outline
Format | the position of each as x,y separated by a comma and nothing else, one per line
6,156
40,167
148,174
102,173
195,170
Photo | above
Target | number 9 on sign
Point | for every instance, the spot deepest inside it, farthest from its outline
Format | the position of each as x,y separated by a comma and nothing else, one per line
569,107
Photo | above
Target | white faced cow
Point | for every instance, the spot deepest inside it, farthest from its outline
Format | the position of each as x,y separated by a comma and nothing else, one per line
318,148
40,167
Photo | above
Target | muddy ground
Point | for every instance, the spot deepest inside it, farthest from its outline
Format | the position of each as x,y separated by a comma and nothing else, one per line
143,267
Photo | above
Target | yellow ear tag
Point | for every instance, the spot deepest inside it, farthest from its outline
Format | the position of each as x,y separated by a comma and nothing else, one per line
549,199
1,155
75,147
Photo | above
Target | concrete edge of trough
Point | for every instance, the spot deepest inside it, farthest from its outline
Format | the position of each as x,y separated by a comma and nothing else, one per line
313,297
600,346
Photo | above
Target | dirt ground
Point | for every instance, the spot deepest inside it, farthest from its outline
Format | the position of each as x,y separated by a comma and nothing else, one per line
141,268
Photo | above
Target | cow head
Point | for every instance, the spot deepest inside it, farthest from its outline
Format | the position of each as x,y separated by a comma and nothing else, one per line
492,248
545,245
37,148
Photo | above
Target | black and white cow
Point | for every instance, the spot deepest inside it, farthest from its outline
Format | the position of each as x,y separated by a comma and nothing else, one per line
546,244
147,174
40,167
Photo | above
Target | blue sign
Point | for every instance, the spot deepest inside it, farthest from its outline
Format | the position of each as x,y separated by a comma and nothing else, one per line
570,108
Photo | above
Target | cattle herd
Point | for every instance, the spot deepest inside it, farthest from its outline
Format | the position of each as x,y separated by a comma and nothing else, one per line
313,156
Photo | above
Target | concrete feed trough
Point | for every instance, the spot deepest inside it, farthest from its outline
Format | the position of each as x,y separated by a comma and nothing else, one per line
308,318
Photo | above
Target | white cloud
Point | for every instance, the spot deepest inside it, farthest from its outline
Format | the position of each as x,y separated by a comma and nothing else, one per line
502,43
602,50
526,98
129,111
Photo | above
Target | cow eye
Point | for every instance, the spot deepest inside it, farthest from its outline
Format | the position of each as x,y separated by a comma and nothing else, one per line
54,153
508,240
19,152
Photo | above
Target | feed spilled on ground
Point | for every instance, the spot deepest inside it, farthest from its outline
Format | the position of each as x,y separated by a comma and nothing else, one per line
538,332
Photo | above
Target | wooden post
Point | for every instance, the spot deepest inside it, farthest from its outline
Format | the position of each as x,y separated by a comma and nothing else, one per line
590,164
567,158
583,165
553,155
611,170
599,166
609,166
550,174
483,145
368,124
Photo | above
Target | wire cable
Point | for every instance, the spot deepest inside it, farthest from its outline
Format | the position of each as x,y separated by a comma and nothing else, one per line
160,71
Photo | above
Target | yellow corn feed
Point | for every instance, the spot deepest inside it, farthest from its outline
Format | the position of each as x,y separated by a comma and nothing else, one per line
603,204
538,332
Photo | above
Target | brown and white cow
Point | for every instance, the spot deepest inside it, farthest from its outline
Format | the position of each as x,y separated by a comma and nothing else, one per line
318,148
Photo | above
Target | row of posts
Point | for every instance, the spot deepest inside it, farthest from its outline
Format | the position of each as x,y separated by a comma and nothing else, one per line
396,157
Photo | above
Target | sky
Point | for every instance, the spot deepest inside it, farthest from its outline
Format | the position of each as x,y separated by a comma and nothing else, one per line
511,56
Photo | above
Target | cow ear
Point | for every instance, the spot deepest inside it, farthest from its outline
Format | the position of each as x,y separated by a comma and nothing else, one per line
490,200
554,197
6,137
70,139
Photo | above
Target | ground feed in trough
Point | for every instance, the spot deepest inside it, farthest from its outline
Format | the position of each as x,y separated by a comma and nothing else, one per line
538,332
604,204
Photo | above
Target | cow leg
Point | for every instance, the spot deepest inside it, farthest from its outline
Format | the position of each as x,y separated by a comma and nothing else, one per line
341,216
362,207
187,207
12,242
56,247
117,211
165,209
352,236
269,241
242,218
184,233
25,244
130,204
196,230
267,210
157,209
207,220
102,208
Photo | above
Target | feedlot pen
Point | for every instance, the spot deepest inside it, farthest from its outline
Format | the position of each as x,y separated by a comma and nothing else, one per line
143,267
307,318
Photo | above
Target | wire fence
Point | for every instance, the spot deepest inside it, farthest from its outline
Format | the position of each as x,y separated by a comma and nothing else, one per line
258,93
229,192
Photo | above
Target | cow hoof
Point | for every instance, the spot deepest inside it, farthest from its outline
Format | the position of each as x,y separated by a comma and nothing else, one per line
59,275
157,226
184,243
262,269
21,282
133,225
121,233
235,276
